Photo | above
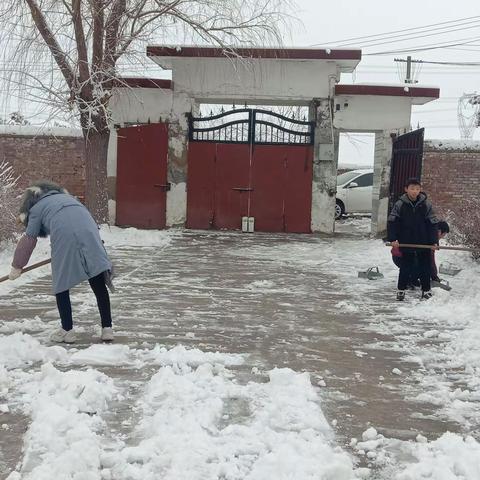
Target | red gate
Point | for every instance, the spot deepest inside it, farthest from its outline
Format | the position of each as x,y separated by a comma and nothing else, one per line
251,163
142,176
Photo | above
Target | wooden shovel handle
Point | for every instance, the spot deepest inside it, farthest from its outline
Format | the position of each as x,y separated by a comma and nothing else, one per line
430,247
30,267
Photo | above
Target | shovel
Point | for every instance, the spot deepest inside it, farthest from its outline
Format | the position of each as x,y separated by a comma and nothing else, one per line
431,247
31,267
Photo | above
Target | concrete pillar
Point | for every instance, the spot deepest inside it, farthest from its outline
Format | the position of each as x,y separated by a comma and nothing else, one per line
178,161
112,175
381,182
325,159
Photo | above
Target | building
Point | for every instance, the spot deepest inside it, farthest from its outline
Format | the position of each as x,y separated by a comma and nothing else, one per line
170,165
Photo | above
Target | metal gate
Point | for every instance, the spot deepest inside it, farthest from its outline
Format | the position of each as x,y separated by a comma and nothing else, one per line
142,185
250,163
407,158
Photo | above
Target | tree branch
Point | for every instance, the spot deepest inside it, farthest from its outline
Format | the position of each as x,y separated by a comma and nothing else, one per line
81,43
47,35
98,31
111,34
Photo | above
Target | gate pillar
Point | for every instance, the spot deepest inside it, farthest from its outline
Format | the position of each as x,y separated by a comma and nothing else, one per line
325,160
381,182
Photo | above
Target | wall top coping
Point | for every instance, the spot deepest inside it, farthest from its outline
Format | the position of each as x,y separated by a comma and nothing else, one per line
347,59
142,82
452,145
39,131
418,94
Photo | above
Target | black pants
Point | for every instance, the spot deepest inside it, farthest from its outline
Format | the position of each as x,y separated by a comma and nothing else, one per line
415,264
103,301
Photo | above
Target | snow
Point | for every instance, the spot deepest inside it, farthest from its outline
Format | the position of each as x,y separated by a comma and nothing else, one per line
36,131
193,417
452,145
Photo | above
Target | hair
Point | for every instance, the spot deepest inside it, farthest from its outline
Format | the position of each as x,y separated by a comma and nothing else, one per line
443,227
413,181
33,194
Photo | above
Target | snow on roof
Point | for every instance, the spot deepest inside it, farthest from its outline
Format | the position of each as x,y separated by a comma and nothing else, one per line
452,145
39,131
259,52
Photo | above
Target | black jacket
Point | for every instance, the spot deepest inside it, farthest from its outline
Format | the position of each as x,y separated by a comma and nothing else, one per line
413,222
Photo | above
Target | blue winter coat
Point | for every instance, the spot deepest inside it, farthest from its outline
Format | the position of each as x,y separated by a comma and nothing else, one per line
77,250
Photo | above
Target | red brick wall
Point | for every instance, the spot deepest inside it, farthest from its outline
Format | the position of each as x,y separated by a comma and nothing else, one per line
60,159
450,175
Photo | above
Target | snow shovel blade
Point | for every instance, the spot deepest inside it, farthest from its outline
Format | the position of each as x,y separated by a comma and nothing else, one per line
443,284
373,273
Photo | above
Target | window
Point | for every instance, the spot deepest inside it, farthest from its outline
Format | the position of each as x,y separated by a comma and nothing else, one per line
364,180
346,177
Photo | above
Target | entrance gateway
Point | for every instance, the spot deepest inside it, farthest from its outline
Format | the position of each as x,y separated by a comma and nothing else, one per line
250,163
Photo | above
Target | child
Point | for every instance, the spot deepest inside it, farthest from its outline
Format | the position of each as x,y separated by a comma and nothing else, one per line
412,221
443,229
77,251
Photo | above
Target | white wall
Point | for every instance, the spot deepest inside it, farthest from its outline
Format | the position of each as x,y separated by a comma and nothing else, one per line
253,80
370,113
142,105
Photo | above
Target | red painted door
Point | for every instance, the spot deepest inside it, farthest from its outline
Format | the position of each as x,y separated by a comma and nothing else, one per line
201,185
269,183
141,195
298,188
232,185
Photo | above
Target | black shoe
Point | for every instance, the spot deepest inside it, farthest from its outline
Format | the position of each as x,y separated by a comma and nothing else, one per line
427,295
401,295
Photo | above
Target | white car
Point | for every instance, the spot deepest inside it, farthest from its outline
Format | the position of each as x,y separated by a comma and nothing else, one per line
354,192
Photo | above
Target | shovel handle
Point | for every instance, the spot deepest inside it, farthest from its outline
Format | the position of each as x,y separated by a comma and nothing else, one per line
30,267
431,247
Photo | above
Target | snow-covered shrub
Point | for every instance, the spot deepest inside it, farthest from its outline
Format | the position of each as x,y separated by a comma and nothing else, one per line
465,225
8,202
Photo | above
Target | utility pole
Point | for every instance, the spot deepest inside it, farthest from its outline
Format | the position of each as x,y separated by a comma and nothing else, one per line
409,62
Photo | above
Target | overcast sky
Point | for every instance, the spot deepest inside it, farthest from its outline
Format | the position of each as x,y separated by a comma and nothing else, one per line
344,19
325,22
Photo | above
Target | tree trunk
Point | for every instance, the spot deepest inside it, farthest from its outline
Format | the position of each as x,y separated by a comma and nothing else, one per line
96,189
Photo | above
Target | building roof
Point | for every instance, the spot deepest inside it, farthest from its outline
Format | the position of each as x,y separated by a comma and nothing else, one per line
142,82
418,94
347,59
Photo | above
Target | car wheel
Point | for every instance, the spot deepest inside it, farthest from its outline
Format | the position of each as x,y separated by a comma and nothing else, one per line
339,209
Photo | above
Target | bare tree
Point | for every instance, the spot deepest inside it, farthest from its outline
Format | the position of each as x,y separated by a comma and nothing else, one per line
85,40
8,199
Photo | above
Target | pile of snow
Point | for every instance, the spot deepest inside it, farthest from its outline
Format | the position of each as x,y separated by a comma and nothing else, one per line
258,431
21,350
451,457
63,440
132,237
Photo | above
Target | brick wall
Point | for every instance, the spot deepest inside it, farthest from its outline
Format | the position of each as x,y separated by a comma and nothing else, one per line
451,172
57,158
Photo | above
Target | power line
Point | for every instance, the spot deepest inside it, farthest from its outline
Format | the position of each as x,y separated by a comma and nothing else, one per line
409,37
397,31
422,48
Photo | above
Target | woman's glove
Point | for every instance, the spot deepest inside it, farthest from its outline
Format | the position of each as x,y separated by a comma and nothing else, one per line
14,273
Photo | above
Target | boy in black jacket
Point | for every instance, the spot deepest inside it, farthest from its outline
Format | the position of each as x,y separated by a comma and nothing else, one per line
412,221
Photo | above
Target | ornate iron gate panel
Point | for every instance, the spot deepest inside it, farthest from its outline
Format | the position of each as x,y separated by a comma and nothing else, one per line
260,127
407,159
245,163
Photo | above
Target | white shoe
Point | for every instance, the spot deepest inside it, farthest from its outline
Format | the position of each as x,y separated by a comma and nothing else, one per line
107,334
63,336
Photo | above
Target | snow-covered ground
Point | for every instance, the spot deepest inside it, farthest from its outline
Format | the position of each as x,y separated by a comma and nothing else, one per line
243,357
